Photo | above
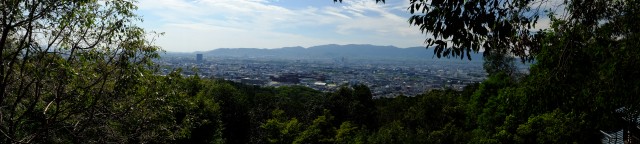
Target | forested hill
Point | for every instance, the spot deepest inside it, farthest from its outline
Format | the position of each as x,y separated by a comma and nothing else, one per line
351,51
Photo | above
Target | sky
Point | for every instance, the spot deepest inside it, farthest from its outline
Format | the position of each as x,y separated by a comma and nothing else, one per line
201,25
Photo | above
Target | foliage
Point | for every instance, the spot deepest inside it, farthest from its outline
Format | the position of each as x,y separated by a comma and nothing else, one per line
459,27
281,130
70,69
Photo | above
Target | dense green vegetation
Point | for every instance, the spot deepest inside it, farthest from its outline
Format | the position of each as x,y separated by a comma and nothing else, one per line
191,109
80,71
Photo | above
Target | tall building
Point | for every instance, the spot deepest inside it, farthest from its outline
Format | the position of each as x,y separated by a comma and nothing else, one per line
199,58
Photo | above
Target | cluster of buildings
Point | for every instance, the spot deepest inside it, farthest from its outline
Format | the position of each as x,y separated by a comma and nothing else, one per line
384,78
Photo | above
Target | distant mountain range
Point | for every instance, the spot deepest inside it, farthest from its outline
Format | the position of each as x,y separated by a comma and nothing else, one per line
332,51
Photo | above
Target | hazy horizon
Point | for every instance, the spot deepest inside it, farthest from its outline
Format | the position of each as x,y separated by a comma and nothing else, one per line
285,47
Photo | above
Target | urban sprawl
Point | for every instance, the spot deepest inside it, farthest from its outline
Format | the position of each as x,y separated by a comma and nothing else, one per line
385,78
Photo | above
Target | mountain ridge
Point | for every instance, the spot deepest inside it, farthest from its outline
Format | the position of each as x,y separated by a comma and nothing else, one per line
333,51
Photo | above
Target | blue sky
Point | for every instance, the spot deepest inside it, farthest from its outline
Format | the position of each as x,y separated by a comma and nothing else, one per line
200,25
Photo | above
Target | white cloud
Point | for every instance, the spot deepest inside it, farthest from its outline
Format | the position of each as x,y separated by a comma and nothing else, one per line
197,25
199,37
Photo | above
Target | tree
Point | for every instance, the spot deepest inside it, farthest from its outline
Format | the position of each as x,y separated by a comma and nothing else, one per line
459,27
234,111
69,68
584,63
498,61
279,129
353,104
581,78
